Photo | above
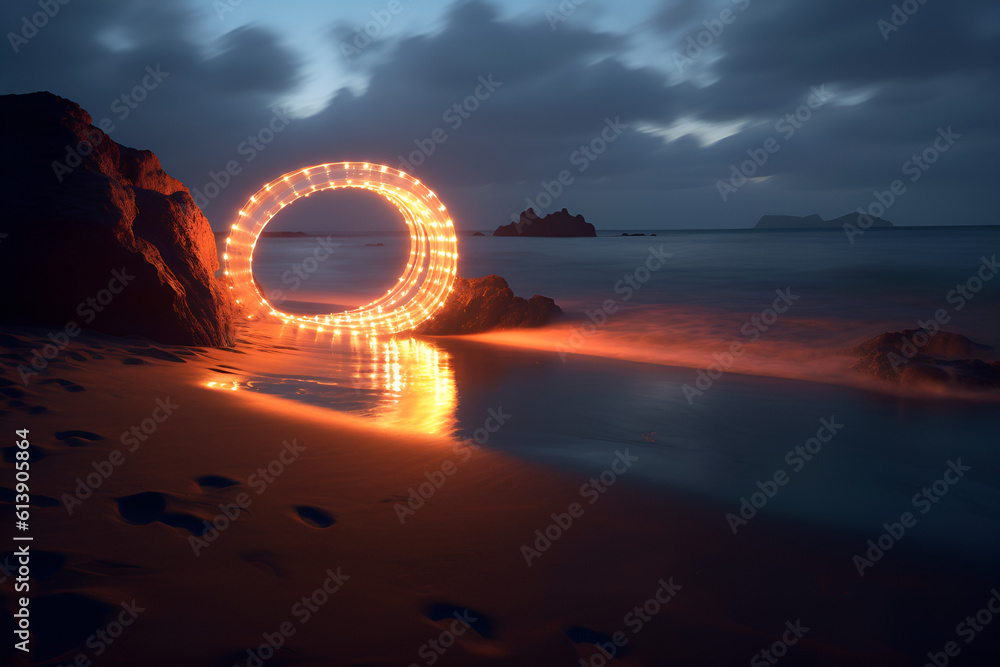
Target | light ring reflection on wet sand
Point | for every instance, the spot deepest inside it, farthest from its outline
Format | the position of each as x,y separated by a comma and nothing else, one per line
420,291
407,383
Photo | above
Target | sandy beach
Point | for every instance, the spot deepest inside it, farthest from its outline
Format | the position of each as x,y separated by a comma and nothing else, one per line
350,542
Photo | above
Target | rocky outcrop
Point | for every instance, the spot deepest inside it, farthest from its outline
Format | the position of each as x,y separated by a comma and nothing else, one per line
919,355
98,235
485,304
559,224
814,222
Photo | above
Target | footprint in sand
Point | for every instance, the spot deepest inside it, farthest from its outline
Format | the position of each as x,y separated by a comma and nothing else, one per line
14,395
134,361
142,508
11,392
77,438
65,384
150,506
314,516
35,454
477,620
214,482
189,522
32,409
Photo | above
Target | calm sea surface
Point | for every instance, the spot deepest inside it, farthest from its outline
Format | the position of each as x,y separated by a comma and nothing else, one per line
576,393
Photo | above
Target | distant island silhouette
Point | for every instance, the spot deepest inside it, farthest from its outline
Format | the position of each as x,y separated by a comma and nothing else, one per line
560,224
813,222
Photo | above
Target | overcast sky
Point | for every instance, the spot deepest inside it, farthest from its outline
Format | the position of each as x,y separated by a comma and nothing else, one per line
683,91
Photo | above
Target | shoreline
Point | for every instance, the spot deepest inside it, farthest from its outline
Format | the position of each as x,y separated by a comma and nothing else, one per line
461,550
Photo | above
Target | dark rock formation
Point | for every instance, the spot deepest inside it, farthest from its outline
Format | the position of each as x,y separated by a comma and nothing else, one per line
560,224
919,355
814,222
477,234
485,304
98,235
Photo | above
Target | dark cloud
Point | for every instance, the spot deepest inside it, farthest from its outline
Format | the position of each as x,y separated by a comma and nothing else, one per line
774,51
935,71
553,93
474,41
828,40
206,100
252,60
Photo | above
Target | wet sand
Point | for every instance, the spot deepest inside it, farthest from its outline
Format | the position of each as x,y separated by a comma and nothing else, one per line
310,551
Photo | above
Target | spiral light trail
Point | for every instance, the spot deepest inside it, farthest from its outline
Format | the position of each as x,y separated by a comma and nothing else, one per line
420,291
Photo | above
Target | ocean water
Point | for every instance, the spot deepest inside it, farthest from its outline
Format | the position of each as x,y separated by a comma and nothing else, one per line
886,277
613,374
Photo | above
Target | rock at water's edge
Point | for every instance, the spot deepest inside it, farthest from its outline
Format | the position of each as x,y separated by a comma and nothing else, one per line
98,235
485,304
919,355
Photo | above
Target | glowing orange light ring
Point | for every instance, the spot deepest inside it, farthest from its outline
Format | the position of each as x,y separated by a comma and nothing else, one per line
430,269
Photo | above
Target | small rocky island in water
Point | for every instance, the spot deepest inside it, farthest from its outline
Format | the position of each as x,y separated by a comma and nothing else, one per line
815,222
558,224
